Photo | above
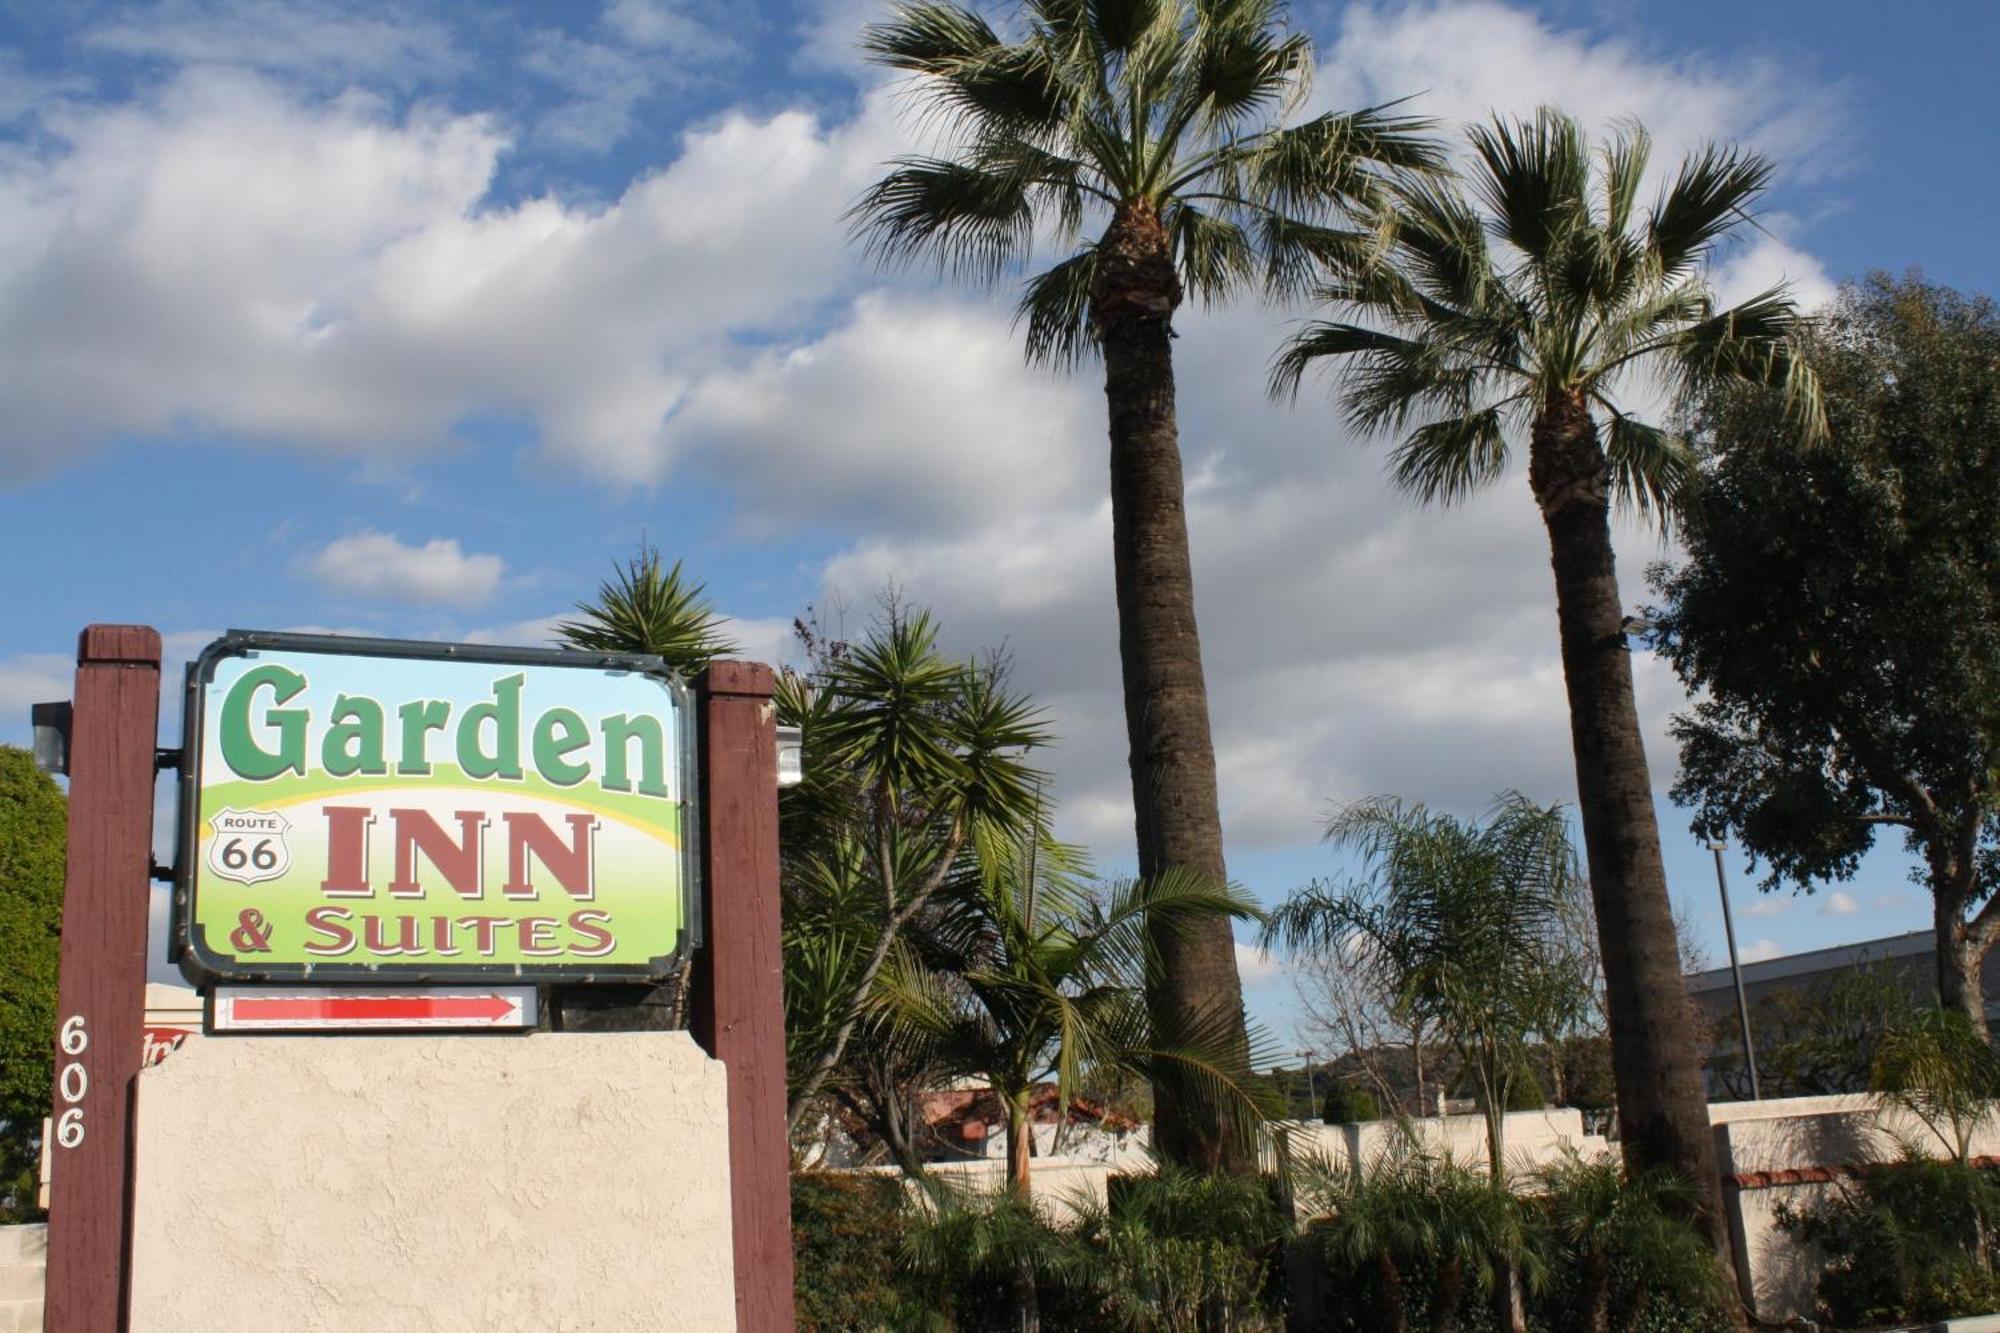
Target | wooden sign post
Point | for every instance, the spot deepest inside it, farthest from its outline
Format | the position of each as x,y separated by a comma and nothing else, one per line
738,1006
100,1012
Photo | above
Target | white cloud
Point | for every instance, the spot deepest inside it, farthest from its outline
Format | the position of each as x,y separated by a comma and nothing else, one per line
1839,903
329,275
230,259
1769,905
661,25
913,414
1464,60
1761,950
1256,967
376,566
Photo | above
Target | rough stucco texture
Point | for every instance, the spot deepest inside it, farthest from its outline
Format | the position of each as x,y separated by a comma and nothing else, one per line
550,1182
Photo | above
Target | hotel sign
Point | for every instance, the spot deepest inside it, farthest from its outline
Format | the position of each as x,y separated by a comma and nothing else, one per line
363,809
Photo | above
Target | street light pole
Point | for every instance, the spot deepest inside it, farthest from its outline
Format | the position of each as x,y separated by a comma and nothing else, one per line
1736,969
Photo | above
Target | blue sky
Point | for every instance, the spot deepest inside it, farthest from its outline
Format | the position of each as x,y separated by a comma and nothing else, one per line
412,320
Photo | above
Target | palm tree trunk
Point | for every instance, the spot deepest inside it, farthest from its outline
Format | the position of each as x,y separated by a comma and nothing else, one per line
1391,1315
1166,698
1596,1289
1020,1132
1662,1111
1450,1291
1019,1141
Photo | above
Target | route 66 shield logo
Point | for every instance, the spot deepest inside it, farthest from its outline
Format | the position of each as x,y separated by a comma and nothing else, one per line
249,846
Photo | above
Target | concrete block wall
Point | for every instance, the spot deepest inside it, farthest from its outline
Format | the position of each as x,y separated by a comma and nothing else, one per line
552,1183
1792,1152
24,1252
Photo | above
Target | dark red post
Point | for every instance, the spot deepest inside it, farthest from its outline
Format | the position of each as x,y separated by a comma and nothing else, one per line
738,1010
100,1012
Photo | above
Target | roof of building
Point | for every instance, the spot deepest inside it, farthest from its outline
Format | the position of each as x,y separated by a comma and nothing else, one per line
1915,944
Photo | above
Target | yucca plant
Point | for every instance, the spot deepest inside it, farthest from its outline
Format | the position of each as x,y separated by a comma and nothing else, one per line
913,761
1535,311
1153,140
646,607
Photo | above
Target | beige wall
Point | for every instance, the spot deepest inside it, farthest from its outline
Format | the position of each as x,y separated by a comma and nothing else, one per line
548,1183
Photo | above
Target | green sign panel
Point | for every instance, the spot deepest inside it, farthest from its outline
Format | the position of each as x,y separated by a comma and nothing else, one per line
380,810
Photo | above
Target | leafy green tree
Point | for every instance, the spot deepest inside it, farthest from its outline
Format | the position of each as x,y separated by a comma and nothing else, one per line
1022,977
1817,1040
915,768
1525,316
650,609
1148,137
34,833
1838,615
1904,1243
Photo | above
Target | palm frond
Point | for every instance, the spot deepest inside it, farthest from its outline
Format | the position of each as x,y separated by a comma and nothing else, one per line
1650,468
1759,342
1445,461
970,221
1213,254
1056,305
1707,197
1625,157
977,79
1534,177
645,608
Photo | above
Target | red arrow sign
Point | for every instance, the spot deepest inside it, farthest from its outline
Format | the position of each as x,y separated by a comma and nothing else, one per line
384,1008
240,1008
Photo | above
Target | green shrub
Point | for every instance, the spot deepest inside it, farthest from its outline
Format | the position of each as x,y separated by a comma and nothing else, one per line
847,1252
1910,1240
1617,1254
1347,1104
1525,1093
1420,1241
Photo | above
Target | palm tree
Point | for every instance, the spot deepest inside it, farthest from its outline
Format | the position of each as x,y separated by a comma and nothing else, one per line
1410,1212
1022,977
1462,924
1621,1242
1528,314
1147,137
915,765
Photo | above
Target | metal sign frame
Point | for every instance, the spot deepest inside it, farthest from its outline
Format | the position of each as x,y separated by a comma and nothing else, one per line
204,968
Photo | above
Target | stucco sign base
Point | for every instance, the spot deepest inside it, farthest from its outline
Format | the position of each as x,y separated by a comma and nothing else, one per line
550,1182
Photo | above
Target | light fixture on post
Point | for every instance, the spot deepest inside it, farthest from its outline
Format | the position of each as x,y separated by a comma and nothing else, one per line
791,756
51,732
